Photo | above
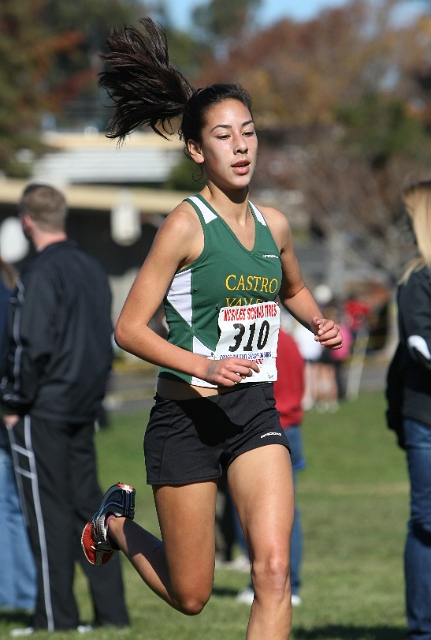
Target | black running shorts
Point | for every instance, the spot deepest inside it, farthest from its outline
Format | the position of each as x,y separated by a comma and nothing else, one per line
194,440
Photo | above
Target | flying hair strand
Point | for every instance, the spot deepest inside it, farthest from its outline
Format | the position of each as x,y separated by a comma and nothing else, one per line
145,87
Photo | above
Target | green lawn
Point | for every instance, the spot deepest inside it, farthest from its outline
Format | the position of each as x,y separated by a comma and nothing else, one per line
354,502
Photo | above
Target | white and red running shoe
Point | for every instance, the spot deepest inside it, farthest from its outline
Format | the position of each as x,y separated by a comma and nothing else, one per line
119,501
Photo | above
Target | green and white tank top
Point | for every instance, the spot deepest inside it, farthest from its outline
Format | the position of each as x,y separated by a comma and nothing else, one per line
222,304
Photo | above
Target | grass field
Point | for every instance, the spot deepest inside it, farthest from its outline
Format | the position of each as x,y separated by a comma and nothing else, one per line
353,497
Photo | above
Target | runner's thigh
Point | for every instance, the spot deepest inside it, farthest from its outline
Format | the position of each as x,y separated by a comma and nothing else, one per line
261,485
186,516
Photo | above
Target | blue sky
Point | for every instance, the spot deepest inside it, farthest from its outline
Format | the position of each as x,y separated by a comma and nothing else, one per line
272,10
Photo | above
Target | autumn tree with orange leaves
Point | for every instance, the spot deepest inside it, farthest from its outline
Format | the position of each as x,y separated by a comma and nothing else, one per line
342,103
49,56
19,97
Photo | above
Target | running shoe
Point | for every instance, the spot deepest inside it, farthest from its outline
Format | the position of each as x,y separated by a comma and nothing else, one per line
28,631
246,596
119,501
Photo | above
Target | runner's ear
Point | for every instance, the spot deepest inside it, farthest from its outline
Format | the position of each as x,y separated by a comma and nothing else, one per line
195,151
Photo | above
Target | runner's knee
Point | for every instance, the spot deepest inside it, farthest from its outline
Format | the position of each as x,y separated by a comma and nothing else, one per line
271,575
190,603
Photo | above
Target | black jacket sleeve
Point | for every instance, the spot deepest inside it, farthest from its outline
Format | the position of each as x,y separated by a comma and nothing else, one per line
30,340
414,302
395,393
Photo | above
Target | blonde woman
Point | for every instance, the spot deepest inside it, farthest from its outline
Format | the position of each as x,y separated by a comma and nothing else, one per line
412,368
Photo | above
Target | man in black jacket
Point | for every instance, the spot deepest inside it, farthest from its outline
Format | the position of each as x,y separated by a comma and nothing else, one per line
53,381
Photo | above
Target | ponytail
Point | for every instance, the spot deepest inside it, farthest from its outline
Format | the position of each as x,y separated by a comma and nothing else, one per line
145,88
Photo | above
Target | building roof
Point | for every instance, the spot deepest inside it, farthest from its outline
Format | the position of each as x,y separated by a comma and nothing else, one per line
93,158
101,198
91,139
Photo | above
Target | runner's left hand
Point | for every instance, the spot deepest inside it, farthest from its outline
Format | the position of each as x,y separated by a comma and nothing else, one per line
328,333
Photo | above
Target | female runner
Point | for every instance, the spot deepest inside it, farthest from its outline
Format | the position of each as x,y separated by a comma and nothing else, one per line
219,264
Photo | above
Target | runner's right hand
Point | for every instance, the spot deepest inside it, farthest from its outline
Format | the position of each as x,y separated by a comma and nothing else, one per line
229,371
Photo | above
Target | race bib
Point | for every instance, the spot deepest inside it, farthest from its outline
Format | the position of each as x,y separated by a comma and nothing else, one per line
250,332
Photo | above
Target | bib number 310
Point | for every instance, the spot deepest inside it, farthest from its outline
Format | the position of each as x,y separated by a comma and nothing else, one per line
262,337
250,332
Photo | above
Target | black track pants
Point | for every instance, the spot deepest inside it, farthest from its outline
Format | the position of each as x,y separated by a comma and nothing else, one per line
55,465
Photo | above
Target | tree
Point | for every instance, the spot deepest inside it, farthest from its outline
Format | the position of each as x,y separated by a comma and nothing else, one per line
219,21
343,109
185,50
20,100
298,73
70,78
49,51
351,174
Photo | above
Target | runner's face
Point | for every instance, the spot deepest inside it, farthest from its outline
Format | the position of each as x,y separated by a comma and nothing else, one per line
229,145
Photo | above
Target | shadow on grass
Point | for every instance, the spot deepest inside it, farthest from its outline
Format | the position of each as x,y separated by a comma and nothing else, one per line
224,591
340,632
15,616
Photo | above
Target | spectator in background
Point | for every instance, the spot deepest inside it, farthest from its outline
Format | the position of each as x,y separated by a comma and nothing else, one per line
8,277
409,414
334,362
17,573
311,351
379,298
328,387
58,360
339,358
229,534
357,313
8,280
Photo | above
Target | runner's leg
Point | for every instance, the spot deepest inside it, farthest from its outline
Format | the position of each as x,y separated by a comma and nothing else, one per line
262,489
181,568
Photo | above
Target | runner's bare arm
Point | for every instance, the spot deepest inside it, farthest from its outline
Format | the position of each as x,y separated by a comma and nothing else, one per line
178,242
294,295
